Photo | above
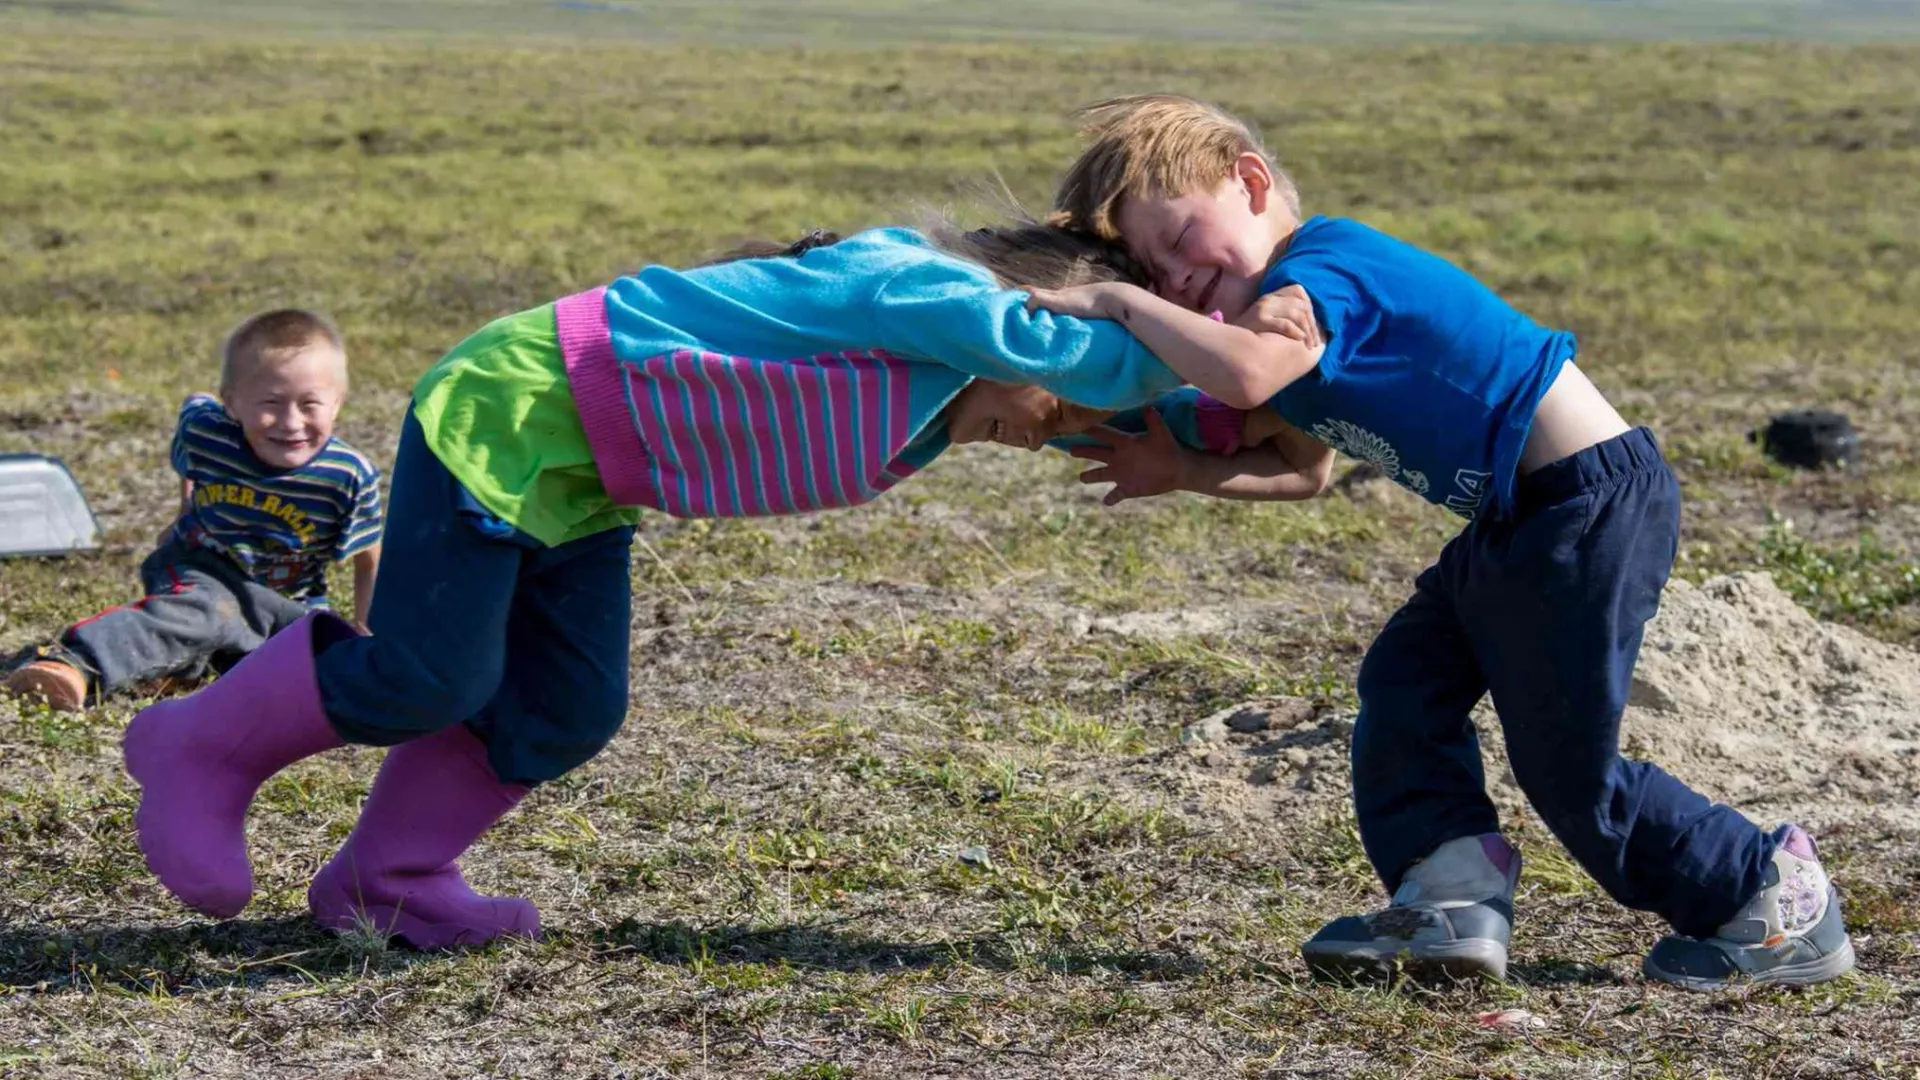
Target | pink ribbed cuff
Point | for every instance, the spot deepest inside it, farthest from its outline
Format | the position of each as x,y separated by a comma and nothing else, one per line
593,374
1222,427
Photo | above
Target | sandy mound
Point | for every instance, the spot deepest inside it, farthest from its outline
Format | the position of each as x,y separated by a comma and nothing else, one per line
1743,694
1739,692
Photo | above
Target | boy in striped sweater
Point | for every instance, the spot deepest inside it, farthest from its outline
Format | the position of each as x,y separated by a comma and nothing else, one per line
270,498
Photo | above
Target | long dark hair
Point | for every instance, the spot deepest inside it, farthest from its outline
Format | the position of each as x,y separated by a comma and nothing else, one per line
1022,251
767,249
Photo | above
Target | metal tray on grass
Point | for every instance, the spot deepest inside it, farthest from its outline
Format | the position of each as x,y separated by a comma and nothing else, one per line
42,510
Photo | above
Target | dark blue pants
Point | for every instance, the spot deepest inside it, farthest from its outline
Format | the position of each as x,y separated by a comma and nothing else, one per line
476,622
1545,610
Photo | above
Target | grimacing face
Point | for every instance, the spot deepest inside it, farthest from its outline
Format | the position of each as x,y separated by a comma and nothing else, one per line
1019,416
1207,250
287,404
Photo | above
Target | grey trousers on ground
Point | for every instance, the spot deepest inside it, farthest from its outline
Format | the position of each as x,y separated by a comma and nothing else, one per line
200,610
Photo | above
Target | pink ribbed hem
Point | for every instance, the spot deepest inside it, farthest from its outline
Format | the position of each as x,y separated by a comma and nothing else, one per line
599,393
1222,427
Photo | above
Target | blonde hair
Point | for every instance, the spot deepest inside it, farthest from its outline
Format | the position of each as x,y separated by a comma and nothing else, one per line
1153,146
271,335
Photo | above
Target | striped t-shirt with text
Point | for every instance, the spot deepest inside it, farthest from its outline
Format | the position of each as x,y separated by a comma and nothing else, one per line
281,527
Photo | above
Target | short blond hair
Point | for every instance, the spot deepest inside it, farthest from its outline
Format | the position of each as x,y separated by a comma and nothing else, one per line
1153,146
271,335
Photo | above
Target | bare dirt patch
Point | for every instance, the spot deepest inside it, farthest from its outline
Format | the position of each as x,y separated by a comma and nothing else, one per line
1743,694
1739,691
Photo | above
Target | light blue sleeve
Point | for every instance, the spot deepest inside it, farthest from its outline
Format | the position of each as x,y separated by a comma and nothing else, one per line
949,311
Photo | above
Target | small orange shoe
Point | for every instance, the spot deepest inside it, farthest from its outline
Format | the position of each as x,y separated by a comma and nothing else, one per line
60,685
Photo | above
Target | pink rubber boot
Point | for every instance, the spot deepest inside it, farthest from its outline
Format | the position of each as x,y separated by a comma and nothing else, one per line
199,759
396,872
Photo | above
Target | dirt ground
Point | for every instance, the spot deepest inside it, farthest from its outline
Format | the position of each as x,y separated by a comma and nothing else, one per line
1739,691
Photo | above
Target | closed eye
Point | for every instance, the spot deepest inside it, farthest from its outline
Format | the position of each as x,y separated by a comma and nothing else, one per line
1155,267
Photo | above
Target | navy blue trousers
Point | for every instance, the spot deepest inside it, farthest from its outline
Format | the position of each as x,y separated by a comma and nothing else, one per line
474,621
1545,610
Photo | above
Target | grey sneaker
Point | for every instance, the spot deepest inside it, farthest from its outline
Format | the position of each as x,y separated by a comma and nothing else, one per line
1790,933
1451,918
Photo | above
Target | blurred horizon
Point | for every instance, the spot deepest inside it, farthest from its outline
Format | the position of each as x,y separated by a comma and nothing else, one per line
831,23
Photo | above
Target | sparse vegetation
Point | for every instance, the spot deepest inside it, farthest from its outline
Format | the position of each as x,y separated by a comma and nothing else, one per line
764,875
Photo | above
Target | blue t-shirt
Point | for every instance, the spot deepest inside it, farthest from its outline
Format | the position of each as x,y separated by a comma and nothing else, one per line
281,527
1427,373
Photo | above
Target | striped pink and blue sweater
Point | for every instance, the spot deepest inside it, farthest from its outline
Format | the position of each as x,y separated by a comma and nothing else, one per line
751,388
870,338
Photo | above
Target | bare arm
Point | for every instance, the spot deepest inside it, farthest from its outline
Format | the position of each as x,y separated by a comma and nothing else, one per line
1287,466
1280,463
1259,473
186,504
1308,455
1237,365
366,562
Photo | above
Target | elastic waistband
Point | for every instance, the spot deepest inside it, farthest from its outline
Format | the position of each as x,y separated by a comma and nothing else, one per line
1597,466
600,396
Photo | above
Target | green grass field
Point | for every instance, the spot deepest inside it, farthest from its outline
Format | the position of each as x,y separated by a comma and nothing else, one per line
872,22
761,877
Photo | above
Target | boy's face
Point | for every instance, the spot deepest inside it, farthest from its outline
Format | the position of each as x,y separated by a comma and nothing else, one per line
1019,416
1208,250
287,404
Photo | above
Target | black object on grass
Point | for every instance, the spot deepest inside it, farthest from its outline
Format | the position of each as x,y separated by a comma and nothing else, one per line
1810,439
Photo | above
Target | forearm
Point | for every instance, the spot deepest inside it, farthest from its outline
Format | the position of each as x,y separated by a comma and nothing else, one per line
362,597
1309,456
1257,474
1236,365
366,565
